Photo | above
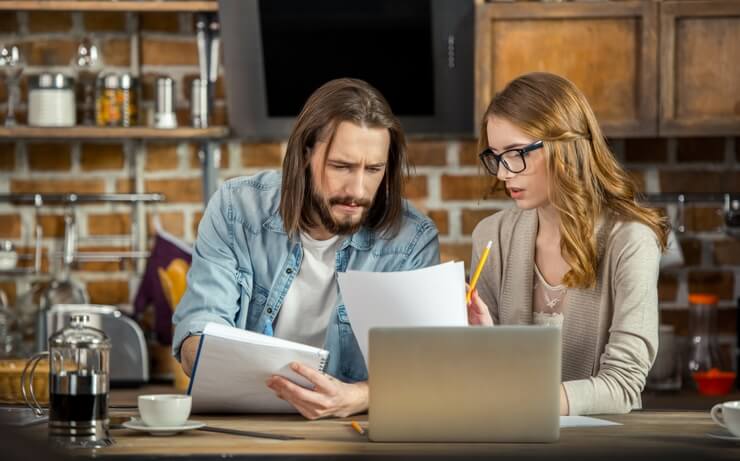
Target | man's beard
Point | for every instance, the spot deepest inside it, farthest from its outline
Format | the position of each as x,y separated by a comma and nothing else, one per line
347,225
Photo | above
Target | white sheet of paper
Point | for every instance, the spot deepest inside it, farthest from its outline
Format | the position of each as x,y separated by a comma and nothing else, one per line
432,296
584,421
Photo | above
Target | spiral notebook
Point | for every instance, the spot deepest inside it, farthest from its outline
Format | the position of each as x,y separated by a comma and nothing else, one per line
232,366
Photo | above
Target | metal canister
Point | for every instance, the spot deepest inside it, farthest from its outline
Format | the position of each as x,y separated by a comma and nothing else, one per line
128,95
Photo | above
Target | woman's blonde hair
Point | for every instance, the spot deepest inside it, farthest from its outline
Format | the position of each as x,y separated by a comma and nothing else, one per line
585,178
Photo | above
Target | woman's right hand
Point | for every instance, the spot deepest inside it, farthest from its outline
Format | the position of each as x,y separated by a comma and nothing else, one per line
478,313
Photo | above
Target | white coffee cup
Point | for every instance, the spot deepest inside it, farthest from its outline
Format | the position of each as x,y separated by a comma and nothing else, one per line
727,415
164,410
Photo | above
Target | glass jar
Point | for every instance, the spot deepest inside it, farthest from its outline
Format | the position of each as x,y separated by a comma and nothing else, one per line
108,103
128,95
51,100
704,349
79,380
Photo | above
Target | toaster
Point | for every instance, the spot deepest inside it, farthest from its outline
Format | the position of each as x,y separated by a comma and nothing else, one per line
129,359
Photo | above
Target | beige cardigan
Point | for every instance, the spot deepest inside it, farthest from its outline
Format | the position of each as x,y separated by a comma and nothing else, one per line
610,331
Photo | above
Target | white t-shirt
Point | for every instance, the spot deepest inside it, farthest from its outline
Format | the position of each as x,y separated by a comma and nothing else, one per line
311,298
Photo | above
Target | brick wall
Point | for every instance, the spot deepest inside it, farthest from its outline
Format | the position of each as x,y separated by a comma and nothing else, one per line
448,183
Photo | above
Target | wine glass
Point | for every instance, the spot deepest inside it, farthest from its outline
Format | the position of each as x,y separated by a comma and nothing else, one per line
12,63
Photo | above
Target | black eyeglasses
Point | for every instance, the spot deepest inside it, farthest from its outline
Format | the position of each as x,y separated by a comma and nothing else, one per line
512,159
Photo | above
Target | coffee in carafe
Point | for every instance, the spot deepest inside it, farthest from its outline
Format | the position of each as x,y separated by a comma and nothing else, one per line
78,385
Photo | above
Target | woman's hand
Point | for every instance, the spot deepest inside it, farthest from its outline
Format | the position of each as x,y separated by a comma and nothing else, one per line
478,313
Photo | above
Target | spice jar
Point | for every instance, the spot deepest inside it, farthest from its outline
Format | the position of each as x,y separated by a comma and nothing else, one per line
51,100
128,92
108,103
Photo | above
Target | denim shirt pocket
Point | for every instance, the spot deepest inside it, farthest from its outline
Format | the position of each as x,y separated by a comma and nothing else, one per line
352,363
252,302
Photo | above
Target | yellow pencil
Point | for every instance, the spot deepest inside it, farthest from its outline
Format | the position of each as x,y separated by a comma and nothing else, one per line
356,426
481,263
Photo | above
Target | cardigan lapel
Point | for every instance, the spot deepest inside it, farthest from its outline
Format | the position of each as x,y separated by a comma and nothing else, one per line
516,291
582,318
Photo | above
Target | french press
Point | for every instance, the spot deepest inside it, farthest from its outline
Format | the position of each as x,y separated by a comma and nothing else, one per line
78,385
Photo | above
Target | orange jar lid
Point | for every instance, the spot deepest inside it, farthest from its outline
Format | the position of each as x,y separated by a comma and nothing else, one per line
703,298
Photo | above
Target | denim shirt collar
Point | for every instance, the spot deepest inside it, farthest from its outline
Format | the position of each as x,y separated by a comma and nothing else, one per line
361,240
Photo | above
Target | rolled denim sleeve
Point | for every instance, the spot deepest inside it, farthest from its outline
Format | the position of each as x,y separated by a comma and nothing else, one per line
213,289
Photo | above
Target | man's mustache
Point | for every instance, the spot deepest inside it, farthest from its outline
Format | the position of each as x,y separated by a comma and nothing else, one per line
349,201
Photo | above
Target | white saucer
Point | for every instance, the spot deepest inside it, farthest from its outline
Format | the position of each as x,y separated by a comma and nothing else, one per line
723,435
138,425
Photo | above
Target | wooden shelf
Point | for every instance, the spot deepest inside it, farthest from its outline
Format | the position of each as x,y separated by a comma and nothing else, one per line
97,5
85,132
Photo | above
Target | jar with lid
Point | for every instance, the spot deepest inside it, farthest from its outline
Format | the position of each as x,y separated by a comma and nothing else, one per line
51,100
128,96
79,380
108,102
705,364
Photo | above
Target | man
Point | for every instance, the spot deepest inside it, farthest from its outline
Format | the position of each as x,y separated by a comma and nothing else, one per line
269,247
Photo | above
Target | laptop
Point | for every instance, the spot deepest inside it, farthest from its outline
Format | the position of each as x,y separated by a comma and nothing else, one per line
464,384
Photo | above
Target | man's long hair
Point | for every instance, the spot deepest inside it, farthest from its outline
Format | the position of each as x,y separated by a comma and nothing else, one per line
342,100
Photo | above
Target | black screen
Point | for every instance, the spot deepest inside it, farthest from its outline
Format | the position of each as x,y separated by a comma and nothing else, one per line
387,43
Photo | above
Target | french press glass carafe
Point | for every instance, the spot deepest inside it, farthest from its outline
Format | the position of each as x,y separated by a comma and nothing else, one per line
78,385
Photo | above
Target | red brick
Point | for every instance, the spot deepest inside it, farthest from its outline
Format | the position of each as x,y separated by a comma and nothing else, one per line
469,151
125,186
58,186
647,150
105,266
197,216
727,252
109,224
415,187
172,221
108,292
52,225
700,150
8,22
667,287
469,188
159,22
147,83
703,219
719,283
26,255
104,21
10,226
161,157
163,52
471,218
9,289
195,161
49,52
49,21
96,157
689,181
691,250
441,220
679,318
456,252
7,156
49,156
262,155
427,153
189,190
116,52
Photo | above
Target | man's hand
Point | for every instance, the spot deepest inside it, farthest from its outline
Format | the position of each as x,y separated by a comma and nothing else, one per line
329,397
188,351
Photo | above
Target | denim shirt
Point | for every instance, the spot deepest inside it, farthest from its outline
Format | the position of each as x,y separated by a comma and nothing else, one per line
244,263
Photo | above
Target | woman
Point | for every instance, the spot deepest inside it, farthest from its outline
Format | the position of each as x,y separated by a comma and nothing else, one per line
577,251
